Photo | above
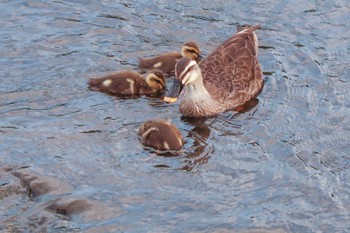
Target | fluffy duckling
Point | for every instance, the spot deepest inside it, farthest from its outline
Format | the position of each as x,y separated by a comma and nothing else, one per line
161,135
129,83
166,62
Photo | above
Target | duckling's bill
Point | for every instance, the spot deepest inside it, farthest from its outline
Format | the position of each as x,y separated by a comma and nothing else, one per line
174,92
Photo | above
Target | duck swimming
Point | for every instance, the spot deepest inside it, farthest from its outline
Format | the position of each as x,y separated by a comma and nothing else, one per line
161,135
166,62
227,78
129,83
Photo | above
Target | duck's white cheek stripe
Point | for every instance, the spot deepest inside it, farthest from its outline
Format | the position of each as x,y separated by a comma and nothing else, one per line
186,74
185,79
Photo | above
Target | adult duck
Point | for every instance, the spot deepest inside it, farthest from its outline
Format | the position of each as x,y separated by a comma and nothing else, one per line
226,79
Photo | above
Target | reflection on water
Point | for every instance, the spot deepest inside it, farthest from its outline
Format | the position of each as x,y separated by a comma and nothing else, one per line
278,164
201,149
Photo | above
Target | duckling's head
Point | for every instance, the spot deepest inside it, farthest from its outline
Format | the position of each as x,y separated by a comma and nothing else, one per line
190,50
187,72
161,135
155,79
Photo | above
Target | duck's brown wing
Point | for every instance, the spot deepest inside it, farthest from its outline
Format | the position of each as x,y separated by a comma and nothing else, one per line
122,83
164,62
231,73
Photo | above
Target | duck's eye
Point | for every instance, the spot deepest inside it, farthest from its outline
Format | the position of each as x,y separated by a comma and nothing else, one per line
190,69
156,80
190,50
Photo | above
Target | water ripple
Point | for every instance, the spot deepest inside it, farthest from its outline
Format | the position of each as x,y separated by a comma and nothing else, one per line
281,165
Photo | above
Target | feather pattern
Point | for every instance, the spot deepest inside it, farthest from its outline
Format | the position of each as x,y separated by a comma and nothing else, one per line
166,61
161,135
229,76
129,83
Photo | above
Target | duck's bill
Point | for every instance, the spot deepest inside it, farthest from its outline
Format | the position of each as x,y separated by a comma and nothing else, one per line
169,99
174,92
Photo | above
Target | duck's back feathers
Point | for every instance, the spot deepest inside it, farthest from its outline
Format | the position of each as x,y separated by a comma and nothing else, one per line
164,62
161,135
124,83
231,73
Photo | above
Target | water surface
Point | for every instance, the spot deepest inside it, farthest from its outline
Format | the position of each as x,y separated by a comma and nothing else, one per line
71,160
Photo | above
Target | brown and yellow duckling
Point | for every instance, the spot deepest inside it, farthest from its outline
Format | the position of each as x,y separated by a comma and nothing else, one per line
129,83
227,78
166,62
161,135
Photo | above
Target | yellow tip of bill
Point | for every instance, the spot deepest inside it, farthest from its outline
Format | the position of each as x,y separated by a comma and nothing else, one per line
169,99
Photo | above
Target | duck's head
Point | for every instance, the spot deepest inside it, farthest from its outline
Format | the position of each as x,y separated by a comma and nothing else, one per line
190,50
155,79
161,135
187,71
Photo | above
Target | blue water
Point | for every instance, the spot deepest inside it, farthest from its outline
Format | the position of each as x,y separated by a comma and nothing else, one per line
282,166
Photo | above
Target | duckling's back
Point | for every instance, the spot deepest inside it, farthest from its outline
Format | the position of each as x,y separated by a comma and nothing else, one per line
122,83
161,135
164,62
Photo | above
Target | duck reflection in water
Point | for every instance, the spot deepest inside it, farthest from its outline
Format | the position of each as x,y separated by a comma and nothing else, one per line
201,150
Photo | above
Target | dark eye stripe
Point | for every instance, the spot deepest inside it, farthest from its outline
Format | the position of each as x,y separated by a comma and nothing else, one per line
181,66
157,80
191,50
187,71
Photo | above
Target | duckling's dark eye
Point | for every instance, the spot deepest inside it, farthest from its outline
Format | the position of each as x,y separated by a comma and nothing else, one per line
190,50
156,80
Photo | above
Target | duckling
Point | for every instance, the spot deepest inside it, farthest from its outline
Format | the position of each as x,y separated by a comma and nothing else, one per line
166,62
226,79
129,83
161,135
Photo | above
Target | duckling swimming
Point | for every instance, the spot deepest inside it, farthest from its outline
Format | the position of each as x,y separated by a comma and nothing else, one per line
129,83
227,78
166,62
161,135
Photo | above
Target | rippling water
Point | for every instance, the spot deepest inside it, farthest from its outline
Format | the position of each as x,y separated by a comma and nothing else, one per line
71,160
